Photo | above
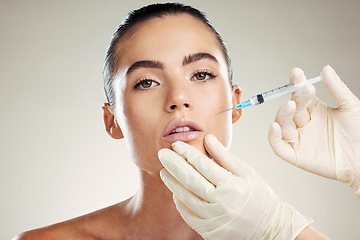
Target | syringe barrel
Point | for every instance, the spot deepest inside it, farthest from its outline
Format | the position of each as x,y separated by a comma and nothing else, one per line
278,92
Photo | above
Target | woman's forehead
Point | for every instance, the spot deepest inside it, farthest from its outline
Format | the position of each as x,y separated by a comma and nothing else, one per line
167,37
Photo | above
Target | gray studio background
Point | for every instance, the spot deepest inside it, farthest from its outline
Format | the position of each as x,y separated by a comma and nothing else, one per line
57,161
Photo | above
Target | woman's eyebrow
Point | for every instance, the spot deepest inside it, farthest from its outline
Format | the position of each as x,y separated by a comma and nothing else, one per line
158,65
198,56
145,64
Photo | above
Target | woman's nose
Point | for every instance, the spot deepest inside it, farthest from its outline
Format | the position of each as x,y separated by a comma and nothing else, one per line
178,98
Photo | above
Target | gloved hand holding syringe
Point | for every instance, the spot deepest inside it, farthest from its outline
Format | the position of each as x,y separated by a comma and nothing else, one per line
274,93
328,129
319,138
305,142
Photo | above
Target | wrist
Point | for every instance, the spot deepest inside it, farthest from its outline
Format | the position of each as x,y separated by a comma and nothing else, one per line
310,233
357,193
297,223
355,183
289,224
350,176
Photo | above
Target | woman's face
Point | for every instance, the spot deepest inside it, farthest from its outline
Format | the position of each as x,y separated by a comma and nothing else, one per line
172,80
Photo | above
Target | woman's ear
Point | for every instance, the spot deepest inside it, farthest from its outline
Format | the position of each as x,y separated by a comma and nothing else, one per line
236,96
111,125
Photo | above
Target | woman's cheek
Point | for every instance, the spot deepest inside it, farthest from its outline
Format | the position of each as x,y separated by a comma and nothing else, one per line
222,124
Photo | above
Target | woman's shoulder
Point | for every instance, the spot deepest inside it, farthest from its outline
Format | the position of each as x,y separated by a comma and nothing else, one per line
102,224
71,229
55,232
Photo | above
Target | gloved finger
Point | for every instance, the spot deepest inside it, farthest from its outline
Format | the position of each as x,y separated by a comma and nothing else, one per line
207,167
280,148
185,173
284,118
297,75
220,154
344,98
303,98
200,207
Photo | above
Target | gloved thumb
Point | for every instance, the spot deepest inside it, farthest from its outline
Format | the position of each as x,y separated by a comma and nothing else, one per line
345,99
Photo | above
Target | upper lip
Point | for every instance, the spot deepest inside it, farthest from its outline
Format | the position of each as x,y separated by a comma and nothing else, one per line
184,122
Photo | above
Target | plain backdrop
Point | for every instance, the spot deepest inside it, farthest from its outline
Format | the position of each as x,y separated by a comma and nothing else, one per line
57,161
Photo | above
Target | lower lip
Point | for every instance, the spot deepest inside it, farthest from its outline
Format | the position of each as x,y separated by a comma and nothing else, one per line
183,136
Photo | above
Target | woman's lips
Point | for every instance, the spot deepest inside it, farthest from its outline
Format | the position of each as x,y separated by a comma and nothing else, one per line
182,130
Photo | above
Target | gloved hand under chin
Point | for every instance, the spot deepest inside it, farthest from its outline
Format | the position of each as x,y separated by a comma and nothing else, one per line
324,140
224,198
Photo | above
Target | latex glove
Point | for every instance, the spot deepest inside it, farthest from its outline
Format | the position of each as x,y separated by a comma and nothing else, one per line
227,199
317,138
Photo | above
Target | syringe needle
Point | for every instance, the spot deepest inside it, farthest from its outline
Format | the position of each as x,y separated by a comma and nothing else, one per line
241,105
225,110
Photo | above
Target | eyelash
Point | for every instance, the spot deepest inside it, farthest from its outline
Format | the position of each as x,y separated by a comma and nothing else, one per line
138,84
208,73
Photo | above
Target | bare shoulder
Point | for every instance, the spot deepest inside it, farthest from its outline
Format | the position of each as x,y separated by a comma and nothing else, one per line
47,233
70,229
102,224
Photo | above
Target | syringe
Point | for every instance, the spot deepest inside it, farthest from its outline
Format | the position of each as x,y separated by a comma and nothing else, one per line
275,93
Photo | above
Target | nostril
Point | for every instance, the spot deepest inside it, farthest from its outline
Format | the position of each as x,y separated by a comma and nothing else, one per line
186,105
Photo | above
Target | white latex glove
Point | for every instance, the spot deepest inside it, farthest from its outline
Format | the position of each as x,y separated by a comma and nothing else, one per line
317,138
226,199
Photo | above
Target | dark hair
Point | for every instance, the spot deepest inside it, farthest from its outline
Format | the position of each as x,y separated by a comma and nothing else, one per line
135,18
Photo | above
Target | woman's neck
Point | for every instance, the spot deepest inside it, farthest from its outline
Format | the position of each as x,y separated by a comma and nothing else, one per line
153,211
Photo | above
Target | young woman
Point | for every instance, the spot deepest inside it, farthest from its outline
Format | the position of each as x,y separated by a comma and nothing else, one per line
167,73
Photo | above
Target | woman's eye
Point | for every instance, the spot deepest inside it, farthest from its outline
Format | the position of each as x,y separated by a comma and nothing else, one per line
200,76
203,76
145,84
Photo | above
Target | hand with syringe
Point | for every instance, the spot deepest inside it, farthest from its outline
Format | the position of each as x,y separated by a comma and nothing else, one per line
318,138
313,136
274,93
